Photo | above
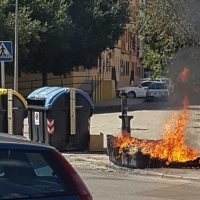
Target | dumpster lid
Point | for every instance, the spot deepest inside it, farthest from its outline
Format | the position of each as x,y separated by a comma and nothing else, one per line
51,94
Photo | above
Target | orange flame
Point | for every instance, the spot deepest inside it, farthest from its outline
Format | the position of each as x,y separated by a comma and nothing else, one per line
171,148
183,76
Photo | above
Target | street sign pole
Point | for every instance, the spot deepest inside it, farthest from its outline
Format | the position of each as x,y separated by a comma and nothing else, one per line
6,55
2,74
16,47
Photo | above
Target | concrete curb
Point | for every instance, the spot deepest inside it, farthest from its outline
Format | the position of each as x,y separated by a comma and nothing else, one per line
155,174
104,165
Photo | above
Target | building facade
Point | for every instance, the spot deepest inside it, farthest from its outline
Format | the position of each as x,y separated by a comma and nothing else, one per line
126,57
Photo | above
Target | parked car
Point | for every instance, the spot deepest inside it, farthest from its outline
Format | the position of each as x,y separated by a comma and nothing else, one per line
138,90
157,91
35,171
166,80
163,79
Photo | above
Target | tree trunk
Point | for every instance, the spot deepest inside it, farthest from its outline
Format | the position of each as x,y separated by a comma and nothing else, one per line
44,78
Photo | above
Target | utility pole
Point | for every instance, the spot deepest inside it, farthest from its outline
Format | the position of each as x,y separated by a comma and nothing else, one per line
16,47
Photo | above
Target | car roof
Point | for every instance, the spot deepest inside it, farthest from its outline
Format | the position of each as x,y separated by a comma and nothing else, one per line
20,142
158,82
152,81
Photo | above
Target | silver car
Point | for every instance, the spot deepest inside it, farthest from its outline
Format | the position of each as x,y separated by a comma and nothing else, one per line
157,91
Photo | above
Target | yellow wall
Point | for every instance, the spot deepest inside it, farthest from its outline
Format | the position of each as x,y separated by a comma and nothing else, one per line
105,89
108,91
30,82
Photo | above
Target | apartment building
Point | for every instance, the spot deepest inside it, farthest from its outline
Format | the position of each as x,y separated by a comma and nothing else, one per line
126,57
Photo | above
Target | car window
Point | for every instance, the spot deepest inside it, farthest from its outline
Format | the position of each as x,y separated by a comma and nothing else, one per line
146,84
32,174
135,85
157,86
40,166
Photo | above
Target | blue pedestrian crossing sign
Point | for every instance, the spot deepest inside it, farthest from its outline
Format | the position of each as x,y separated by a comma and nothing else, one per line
6,53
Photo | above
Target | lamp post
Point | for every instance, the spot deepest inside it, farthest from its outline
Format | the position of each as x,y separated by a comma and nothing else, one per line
16,47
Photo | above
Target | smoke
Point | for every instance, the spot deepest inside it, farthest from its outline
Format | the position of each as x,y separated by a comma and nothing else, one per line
186,17
186,58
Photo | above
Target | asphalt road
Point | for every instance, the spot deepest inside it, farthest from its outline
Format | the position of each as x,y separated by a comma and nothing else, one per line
115,186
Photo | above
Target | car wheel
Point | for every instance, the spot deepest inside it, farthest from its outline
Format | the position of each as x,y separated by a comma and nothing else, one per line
131,94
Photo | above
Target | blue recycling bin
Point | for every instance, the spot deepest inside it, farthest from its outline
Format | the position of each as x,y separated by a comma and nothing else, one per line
49,118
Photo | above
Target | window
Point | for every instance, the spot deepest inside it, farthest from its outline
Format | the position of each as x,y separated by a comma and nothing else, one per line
32,174
158,86
127,35
145,84
128,71
40,166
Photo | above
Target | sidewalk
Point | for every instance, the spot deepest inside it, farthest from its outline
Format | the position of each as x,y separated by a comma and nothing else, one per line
101,162
104,107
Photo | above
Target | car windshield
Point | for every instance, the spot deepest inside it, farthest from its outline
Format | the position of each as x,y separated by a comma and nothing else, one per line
135,85
31,174
157,86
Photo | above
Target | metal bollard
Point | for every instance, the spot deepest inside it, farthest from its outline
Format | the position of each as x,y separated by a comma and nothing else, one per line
126,120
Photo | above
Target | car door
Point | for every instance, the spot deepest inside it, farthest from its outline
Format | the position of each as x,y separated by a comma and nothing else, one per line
143,88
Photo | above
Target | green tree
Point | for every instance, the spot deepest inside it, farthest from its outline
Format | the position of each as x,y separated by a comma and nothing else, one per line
166,28
57,35
97,25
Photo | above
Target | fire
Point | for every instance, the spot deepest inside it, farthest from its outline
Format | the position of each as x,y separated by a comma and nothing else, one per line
183,76
171,148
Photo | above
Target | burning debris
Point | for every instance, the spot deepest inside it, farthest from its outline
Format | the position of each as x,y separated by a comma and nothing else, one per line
171,151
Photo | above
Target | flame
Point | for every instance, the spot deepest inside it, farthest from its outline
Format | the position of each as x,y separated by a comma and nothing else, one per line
183,76
171,148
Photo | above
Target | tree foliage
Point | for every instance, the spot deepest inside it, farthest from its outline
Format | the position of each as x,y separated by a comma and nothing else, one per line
166,27
97,25
57,35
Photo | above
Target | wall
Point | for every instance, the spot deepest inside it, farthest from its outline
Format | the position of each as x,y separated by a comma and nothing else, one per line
108,91
30,82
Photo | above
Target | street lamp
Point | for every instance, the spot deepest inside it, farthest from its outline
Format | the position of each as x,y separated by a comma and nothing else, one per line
16,47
